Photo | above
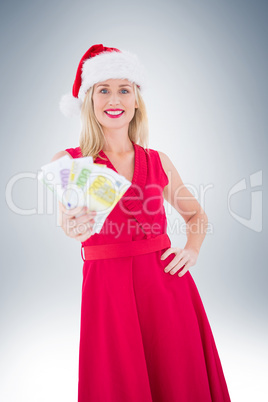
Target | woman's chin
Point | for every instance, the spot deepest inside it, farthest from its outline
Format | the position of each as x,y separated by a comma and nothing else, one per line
114,124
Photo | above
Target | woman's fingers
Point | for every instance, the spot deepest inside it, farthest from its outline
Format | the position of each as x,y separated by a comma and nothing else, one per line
183,260
78,222
175,263
179,265
84,236
76,229
184,270
74,212
171,250
85,217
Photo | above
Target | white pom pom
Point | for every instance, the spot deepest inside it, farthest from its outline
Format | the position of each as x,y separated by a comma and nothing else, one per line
70,106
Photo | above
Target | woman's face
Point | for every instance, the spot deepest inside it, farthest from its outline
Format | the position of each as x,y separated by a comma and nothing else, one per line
114,96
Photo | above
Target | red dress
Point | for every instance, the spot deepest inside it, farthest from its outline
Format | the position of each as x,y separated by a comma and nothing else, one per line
145,336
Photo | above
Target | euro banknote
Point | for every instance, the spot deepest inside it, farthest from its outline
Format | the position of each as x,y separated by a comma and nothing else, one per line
79,182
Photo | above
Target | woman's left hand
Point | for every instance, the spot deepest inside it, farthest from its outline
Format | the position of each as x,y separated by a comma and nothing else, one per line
186,258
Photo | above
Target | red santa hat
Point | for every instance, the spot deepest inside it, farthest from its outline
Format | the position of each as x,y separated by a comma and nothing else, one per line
98,64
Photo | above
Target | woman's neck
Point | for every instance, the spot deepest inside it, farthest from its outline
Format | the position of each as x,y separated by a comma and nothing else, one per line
117,144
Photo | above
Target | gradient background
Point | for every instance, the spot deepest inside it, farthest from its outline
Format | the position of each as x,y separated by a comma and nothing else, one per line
206,100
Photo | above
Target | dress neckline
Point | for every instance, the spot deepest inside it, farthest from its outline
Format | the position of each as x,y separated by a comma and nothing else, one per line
136,162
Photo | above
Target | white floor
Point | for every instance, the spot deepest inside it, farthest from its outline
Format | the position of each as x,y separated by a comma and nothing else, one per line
40,364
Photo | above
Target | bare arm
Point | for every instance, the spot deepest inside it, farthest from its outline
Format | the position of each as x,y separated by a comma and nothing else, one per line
186,204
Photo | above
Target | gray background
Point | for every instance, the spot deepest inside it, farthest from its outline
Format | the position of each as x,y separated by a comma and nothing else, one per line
206,100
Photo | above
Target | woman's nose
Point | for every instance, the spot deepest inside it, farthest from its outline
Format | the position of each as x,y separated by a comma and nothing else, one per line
114,99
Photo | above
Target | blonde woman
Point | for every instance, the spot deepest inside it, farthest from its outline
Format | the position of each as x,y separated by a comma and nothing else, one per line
144,334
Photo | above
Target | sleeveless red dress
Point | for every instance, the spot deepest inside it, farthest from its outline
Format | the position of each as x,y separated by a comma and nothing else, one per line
144,336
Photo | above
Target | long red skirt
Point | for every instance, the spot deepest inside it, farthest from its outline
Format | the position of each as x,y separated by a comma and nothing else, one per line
145,335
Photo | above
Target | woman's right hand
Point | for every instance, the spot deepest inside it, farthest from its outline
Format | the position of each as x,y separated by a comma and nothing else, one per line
77,223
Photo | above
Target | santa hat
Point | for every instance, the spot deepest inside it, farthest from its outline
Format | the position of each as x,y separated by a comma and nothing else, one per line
98,64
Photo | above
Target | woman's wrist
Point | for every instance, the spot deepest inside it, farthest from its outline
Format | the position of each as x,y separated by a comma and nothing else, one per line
196,229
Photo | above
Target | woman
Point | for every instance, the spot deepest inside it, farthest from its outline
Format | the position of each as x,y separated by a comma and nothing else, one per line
144,333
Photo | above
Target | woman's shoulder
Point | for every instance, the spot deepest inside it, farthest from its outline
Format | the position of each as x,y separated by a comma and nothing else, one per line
157,165
59,155
71,152
164,158
158,154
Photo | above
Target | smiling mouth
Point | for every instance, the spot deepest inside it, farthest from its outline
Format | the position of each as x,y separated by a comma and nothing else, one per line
114,114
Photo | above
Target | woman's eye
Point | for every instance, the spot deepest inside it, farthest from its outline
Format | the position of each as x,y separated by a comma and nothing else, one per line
126,91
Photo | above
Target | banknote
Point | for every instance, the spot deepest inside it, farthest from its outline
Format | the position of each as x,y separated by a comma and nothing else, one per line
55,175
80,182
103,190
78,174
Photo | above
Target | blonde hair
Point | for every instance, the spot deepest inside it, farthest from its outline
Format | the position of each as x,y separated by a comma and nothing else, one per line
92,138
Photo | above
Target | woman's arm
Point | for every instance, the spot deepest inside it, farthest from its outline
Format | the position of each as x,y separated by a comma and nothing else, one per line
186,204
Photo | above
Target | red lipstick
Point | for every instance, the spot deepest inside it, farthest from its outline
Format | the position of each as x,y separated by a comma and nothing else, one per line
114,113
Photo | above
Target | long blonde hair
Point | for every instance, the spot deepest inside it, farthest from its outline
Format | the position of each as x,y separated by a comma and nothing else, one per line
92,138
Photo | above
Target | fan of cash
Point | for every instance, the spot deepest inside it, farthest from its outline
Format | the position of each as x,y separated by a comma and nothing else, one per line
79,182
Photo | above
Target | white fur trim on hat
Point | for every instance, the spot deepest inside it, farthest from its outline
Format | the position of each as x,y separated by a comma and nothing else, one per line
70,106
118,65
